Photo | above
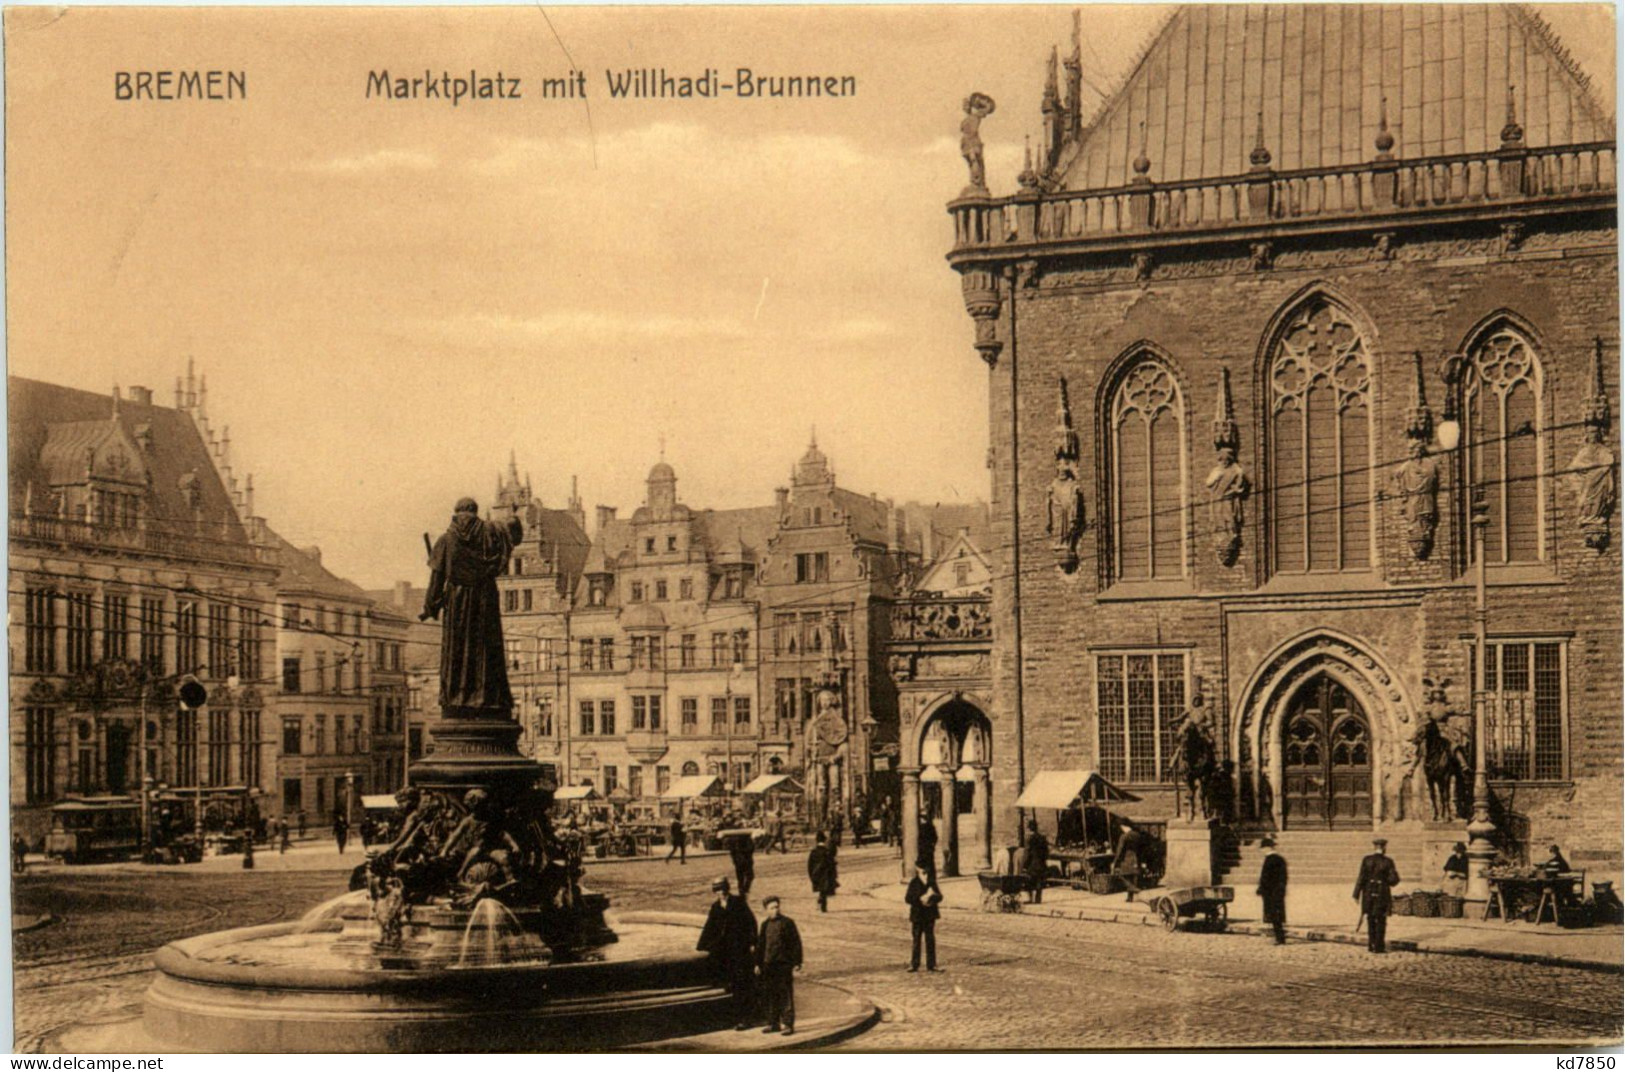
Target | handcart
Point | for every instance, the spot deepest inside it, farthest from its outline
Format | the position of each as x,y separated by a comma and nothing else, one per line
1186,902
1001,893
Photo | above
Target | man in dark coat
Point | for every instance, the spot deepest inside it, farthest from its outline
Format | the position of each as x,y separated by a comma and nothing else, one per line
925,848
1374,889
924,900
743,852
1036,863
464,565
1272,889
730,937
821,870
679,840
778,957
341,830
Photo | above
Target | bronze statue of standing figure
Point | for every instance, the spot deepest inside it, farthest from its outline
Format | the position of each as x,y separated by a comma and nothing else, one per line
464,565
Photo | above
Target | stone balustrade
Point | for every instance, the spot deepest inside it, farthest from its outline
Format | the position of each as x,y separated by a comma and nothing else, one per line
1264,197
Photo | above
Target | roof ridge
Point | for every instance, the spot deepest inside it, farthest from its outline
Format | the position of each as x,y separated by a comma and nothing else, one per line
1537,24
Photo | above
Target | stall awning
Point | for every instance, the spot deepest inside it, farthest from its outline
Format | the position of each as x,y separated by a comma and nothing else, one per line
576,792
378,801
692,785
1061,789
773,783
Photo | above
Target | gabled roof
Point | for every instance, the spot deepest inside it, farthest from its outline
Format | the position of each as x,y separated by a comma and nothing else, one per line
34,409
302,573
1319,75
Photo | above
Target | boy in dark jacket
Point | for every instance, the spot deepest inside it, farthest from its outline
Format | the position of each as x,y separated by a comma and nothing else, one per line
778,957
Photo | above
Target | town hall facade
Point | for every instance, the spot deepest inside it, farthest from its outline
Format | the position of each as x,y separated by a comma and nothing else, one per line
1231,322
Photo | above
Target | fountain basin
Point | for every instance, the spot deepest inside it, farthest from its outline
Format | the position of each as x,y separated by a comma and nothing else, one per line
280,989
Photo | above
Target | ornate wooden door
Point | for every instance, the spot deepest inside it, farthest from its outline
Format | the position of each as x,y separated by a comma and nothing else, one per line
1326,759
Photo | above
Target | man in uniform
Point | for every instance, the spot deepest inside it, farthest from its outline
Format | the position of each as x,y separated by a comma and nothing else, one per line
730,937
924,900
1374,889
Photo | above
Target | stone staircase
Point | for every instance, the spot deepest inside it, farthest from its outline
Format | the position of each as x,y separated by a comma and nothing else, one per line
1317,857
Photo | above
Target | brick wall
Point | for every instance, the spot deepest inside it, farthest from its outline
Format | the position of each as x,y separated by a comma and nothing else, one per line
1206,311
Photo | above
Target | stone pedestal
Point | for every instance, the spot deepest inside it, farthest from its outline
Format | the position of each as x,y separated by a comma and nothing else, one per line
1189,859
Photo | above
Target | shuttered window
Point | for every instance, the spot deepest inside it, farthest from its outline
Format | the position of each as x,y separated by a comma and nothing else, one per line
1148,493
1320,444
1502,391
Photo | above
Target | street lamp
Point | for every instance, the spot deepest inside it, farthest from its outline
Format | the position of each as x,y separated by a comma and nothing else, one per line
1480,828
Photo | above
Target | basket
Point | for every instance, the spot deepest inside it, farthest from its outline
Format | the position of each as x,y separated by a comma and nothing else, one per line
1103,882
1425,903
1450,906
1402,904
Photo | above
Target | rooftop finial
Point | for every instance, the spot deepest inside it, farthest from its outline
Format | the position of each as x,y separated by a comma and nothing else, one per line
1260,155
1052,83
115,401
1512,133
1142,163
1385,139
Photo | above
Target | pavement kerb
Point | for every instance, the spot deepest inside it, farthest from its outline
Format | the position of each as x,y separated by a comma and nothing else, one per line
1146,918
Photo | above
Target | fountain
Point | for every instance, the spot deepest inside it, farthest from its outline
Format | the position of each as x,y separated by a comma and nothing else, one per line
470,930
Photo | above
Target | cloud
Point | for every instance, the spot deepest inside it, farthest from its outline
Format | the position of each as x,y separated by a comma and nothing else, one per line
380,160
857,329
583,326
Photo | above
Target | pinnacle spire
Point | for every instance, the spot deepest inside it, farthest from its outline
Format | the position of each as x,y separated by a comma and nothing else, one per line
1225,433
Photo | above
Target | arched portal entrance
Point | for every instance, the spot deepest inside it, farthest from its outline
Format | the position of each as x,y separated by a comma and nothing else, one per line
1324,737
952,789
1325,758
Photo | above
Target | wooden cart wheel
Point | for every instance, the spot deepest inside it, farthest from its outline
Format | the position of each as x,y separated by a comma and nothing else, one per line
1169,914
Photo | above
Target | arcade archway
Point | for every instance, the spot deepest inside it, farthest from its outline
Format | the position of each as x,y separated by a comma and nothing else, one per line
951,789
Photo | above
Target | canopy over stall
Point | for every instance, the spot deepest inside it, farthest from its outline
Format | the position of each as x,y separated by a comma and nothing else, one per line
378,802
692,785
773,783
1060,790
576,792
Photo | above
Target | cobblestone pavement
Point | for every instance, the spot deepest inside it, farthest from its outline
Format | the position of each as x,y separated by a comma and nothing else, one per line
1009,981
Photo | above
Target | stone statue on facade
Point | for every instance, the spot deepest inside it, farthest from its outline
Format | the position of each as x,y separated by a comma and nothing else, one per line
1227,483
1064,521
465,563
978,106
1416,485
1594,472
1416,482
1228,488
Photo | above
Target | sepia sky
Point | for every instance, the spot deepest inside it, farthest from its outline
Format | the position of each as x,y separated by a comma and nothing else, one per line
387,296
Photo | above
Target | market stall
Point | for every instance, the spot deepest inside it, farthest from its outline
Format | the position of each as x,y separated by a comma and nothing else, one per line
1097,845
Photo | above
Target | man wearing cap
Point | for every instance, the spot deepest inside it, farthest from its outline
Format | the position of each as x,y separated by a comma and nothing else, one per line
1374,889
778,957
730,937
1455,871
1272,889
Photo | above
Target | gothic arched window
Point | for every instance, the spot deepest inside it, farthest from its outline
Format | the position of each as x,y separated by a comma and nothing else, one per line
1501,399
1148,474
1320,430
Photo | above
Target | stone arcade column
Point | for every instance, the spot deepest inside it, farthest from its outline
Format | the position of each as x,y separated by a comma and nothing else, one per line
910,805
950,822
984,819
